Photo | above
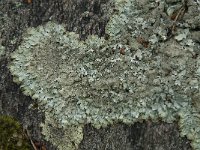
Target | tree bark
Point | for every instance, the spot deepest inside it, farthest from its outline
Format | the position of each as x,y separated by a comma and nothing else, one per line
15,18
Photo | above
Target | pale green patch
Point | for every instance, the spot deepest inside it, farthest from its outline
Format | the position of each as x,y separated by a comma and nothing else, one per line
2,51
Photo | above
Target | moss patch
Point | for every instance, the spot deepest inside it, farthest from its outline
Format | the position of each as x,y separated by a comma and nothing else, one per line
11,135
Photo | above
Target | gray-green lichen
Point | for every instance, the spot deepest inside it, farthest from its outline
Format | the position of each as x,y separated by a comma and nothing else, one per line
2,51
67,138
102,81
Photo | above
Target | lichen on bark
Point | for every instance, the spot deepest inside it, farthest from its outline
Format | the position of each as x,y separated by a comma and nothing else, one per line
141,71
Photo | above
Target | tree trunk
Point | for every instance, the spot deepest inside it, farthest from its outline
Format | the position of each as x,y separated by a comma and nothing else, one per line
15,18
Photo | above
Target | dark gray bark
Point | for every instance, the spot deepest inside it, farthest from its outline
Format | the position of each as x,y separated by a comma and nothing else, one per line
16,17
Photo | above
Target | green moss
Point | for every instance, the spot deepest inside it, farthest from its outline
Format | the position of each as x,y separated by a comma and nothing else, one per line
11,135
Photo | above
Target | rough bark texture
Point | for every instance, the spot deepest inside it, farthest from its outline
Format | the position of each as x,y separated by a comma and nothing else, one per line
16,17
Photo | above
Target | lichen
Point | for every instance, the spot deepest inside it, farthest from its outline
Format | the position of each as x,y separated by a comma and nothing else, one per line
67,138
126,78
2,51
11,135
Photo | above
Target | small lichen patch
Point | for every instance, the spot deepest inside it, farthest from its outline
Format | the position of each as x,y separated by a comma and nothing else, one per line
2,51
67,138
125,78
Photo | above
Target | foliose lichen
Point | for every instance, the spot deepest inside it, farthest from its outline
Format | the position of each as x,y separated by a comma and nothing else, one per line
2,51
139,73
